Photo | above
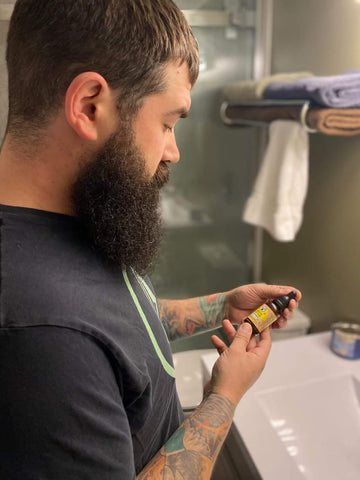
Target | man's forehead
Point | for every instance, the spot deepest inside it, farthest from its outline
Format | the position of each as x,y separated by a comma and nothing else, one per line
178,75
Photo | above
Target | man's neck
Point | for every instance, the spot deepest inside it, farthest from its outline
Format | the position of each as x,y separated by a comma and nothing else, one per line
33,181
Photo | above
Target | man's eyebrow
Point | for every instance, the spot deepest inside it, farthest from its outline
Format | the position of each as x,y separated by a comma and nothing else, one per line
180,112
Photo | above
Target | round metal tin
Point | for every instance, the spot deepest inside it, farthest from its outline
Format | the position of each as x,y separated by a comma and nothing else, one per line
345,340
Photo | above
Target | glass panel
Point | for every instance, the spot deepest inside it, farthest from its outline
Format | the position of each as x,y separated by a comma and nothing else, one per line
206,248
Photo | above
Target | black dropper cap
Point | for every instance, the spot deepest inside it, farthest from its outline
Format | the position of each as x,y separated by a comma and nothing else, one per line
282,302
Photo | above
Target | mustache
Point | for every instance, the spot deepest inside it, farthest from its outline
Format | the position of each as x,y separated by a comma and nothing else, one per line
162,175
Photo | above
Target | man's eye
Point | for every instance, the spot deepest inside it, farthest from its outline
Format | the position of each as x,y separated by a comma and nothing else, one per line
168,129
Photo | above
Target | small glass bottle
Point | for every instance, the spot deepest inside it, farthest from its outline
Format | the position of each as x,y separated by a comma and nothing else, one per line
269,312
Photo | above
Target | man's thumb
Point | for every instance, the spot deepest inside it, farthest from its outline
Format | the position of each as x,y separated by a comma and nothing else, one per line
244,333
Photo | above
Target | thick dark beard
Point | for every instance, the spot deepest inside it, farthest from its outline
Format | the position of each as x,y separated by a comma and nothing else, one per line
119,206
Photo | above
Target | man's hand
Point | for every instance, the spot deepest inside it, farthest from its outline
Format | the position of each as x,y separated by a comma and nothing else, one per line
242,301
239,365
182,318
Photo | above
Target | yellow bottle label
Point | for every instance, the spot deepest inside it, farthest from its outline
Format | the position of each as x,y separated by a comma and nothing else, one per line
263,317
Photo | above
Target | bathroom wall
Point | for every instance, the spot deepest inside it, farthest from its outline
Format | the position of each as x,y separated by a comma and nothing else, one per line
322,36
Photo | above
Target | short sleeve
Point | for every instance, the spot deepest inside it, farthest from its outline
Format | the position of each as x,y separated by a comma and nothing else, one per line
61,412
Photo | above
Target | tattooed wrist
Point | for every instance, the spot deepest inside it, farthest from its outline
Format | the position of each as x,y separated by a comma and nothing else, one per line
182,318
215,410
213,309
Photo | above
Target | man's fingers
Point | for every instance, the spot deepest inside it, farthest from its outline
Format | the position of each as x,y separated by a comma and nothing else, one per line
273,291
252,343
265,342
218,344
229,330
243,335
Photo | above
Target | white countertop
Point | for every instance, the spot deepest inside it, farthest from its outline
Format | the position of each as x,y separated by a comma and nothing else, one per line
296,387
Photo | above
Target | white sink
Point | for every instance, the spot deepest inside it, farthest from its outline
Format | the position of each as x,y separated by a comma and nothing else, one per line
301,419
189,382
318,424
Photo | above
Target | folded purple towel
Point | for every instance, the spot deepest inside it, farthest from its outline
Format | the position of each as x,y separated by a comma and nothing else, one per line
336,91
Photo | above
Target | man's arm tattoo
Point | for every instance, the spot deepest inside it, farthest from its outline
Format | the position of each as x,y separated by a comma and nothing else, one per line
213,308
191,452
182,318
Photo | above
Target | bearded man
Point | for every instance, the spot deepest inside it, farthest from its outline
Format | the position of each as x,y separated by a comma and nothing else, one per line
87,381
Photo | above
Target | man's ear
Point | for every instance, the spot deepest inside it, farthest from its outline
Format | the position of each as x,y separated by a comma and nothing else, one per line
87,103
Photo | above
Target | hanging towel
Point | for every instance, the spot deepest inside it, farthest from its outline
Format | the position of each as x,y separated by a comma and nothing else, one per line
336,91
254,89
279,193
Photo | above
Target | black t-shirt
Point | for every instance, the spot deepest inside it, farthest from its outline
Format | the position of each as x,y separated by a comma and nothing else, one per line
87,388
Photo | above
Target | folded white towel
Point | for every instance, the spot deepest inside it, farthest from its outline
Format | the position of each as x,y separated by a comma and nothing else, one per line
279,193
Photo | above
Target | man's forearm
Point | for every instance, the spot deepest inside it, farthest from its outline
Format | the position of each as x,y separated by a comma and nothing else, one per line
186,317
192,450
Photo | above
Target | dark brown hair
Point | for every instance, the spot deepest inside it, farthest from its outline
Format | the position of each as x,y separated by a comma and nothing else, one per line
128,42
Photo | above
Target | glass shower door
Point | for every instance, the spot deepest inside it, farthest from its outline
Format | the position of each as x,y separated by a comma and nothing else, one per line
207,246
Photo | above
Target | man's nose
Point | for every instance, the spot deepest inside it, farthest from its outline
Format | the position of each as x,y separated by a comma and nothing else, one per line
171,151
